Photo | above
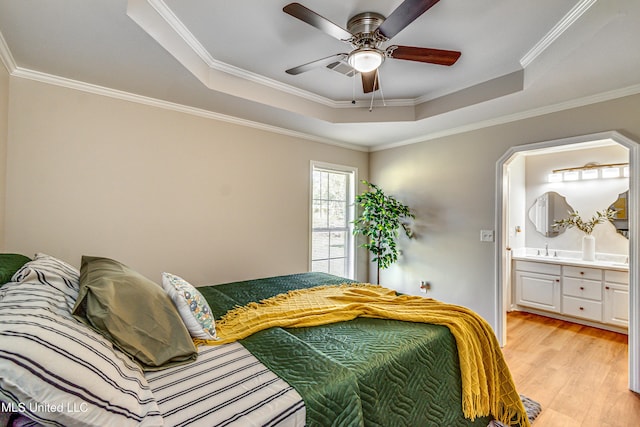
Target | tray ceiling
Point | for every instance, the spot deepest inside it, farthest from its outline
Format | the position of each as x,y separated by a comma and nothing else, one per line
227,60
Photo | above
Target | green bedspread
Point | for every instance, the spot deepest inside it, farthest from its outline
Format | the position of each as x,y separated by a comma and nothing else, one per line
371,372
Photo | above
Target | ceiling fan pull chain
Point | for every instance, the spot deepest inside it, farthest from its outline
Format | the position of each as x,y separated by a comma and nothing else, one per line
373,94
353,88
376,83
384,103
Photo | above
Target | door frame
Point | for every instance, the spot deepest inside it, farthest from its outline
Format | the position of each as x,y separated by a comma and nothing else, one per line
503,258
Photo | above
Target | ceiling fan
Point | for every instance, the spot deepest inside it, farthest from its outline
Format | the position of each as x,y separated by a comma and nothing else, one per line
366,32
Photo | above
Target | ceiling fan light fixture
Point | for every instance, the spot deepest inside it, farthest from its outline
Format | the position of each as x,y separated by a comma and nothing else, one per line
366,59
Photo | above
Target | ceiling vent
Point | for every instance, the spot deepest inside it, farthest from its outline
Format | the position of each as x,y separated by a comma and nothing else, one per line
342,68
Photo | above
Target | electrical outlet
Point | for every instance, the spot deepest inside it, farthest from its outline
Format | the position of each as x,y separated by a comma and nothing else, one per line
486,235
424,286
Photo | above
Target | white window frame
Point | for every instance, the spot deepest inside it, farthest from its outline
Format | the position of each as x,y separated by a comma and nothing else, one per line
352,173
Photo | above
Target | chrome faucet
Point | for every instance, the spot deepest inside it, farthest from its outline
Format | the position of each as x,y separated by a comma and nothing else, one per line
546,249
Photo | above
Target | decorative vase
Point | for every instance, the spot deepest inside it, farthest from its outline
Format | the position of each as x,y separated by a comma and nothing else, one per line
588,247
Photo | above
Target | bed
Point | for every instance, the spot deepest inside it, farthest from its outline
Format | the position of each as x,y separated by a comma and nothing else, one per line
366,371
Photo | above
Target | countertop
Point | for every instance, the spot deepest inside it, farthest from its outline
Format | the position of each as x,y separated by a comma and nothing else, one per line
609,265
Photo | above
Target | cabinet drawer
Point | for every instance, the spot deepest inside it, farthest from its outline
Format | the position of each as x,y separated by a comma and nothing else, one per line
538,267
582,272
616,276
582,288
586,309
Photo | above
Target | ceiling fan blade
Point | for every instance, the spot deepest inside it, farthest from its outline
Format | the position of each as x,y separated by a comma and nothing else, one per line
424,54
404,15
320,22
317,63
370,81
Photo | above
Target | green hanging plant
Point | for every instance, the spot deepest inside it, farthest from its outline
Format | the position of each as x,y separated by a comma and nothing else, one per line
379,221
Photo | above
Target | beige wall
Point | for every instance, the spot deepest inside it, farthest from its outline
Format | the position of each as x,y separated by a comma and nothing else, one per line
4,122
217,202
450,184
156,189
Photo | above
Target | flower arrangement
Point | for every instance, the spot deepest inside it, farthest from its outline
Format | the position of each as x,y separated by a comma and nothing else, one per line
587,227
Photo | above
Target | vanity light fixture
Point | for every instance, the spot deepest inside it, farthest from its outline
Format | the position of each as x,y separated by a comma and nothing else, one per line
555,177
590,174
571,175
611,172
590,171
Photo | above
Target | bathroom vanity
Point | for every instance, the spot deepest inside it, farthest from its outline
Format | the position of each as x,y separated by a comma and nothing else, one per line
593,293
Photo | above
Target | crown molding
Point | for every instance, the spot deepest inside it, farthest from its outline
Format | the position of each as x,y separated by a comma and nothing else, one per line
5,55
154,102
7,59
176,24
192,43
127,96
535,112
563,25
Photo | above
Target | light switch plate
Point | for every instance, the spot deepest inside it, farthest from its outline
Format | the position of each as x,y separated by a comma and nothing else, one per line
486,235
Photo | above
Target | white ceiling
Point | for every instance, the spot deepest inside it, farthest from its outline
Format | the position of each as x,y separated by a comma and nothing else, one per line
227,59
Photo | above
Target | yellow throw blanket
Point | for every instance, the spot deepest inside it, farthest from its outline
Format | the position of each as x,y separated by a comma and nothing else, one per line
487,386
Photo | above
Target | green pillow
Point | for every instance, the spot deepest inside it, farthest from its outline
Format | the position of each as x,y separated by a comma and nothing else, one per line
133,312
9,264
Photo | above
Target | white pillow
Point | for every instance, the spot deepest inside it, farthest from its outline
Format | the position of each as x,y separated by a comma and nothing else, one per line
57,371
192,306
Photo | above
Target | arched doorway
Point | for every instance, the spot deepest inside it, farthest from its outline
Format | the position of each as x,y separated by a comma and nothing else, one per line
503,260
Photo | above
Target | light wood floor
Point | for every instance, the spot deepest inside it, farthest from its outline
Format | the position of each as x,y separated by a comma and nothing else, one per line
578,373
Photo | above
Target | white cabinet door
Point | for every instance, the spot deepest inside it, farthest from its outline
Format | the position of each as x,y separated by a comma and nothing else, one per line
616,304
538,290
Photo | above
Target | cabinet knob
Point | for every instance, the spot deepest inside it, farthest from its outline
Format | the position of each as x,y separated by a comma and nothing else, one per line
581,308
557,280
582,272
607,288
582,288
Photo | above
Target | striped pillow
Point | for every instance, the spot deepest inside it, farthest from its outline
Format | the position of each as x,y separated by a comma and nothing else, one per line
58,371
52,273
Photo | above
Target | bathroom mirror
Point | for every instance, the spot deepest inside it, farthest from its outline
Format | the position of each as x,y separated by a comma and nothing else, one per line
548,208
622,214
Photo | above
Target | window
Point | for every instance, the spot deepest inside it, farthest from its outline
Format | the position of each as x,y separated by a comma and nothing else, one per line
332,210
